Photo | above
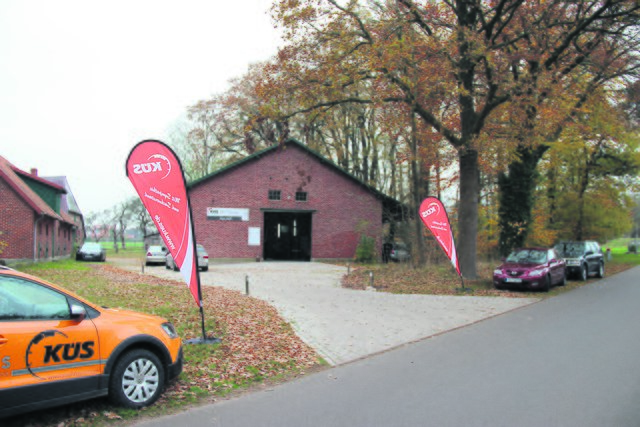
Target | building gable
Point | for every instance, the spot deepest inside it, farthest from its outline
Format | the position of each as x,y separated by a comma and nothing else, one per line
47,191
248,209
17,184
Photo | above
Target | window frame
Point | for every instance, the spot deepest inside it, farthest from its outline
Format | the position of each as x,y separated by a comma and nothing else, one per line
274,195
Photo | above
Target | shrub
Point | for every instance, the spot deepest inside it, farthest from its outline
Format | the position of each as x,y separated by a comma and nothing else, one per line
366,250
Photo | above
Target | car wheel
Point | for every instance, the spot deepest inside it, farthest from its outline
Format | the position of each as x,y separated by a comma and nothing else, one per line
583,273
137,379
601,270
205,268
167,266
175,267
547,284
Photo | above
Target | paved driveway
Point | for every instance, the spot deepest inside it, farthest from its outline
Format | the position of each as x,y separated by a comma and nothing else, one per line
343,325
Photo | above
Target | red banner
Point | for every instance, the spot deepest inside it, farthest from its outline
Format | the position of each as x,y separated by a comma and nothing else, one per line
156,174
435,218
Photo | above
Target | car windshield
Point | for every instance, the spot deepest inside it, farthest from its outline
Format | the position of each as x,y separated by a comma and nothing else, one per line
528,256
568,249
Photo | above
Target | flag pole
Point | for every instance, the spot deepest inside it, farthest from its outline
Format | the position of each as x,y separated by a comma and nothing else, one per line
149,162
204,339
463,289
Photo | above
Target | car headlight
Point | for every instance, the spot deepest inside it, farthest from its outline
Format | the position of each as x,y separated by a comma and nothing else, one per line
539,272
497,271
169,329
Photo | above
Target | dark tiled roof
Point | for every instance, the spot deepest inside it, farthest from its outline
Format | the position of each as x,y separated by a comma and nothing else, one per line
259,154
11,175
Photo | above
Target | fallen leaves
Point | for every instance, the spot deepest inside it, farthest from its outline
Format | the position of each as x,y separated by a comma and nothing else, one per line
257,345
439,279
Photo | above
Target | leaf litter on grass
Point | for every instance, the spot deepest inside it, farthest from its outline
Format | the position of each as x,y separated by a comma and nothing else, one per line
257,345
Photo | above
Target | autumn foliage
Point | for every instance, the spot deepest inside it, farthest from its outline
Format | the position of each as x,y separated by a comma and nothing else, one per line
454,99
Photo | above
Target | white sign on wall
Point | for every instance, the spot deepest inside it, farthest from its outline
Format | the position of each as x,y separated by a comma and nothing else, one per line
228,214
254,236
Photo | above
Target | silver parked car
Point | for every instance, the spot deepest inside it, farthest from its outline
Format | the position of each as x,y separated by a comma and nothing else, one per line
156,254
399,252
203,259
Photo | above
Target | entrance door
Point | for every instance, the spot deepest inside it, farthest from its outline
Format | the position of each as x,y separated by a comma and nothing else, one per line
287,236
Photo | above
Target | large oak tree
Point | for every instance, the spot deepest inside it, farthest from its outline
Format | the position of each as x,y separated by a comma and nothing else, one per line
455,64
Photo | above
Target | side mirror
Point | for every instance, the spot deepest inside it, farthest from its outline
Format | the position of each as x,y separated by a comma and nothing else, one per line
78,312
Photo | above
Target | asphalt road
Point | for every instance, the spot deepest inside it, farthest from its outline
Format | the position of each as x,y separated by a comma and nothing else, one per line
572,360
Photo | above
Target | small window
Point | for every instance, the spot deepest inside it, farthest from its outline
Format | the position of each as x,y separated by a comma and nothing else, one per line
274,194
301,196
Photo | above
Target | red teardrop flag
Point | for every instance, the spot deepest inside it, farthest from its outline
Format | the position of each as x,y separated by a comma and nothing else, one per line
156,174
435,218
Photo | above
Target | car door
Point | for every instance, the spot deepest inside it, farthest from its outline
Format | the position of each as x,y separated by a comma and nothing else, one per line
47,352
556,266
593,259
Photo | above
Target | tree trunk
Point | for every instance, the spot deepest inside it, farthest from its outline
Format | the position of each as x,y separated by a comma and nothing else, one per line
578,230
468,212
417,193
115,239
516,198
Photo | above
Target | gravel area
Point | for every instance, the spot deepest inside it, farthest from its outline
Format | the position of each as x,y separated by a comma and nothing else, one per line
341,324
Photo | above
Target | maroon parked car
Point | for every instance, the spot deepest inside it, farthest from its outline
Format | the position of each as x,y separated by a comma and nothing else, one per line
531,268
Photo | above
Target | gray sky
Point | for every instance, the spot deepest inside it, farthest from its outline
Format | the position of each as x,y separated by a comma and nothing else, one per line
82,81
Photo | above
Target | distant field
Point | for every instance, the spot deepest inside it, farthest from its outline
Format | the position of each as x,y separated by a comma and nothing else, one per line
619,251
132,249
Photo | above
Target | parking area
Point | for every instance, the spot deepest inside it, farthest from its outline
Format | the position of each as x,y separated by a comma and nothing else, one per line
341,324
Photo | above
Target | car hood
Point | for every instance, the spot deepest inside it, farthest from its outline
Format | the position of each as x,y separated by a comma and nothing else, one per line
520,266
132,315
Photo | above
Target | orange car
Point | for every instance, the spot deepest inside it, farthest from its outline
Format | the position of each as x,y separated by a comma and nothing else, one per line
57,348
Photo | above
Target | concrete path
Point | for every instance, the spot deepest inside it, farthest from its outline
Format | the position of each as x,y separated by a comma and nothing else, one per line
343,325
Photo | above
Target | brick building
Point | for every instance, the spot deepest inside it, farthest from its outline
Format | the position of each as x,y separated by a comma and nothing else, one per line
39,219
286,202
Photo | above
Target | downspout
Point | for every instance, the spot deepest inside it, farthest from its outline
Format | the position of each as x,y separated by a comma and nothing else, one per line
35,238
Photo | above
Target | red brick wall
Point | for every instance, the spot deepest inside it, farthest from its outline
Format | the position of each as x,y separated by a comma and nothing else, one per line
54,238
342,206
16,224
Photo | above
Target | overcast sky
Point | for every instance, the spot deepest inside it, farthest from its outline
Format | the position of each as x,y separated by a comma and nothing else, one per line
82,81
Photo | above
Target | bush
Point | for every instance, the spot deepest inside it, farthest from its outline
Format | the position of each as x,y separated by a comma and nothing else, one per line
632,247
366,250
